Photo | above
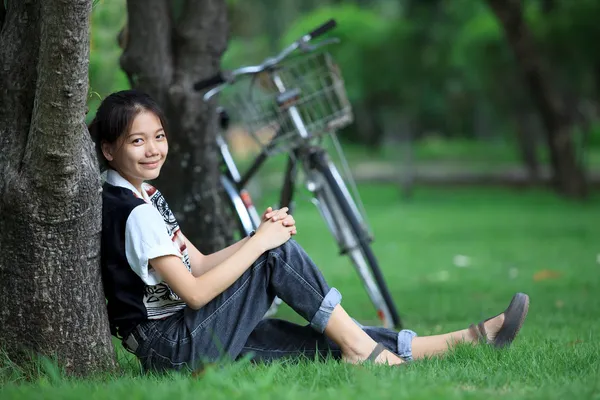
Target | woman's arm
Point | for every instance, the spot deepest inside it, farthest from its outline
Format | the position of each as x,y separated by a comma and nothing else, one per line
202,263
196,291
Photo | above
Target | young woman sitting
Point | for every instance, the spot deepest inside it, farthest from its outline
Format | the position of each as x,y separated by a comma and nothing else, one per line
175,308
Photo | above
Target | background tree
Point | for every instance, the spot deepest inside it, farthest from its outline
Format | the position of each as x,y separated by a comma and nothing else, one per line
441,73
568,173
167,48
50,202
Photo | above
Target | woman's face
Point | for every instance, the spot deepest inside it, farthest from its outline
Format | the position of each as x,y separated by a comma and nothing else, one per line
139,154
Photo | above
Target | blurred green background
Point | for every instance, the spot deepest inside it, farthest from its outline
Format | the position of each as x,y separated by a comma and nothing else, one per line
434,84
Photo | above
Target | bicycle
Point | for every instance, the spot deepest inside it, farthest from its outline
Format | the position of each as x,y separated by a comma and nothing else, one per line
288,104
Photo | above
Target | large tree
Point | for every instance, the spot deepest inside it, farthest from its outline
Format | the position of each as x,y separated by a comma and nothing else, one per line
559,123
169,46
50,199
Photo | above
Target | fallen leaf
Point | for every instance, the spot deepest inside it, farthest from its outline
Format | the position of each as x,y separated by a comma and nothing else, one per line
546,274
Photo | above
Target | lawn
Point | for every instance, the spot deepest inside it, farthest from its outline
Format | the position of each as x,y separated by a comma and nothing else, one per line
507,241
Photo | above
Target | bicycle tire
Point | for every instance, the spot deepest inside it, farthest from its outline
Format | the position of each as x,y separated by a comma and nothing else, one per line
321,164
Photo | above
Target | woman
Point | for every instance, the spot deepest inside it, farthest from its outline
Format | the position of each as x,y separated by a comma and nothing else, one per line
175,307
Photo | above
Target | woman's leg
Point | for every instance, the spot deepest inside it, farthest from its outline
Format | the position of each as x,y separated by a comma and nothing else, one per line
273,339
427,346
331,319
355,344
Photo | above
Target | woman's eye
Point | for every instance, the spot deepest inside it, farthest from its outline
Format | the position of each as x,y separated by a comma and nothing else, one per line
161,136
137,141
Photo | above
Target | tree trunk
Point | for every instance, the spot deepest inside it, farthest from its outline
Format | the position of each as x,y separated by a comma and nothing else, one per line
50,203
548,6
526,140
165,57
568,173
2,14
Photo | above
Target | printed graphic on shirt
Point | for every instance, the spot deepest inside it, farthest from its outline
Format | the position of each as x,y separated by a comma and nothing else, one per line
160,300
159,202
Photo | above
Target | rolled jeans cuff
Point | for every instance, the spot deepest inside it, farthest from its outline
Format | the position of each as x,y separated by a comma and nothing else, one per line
405,338
321,318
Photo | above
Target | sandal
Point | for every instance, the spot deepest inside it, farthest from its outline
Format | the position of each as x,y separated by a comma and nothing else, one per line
377,351
514,316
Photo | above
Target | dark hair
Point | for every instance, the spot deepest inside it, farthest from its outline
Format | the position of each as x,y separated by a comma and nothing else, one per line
115,116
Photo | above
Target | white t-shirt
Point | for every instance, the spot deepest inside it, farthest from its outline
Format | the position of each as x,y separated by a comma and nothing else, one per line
151,231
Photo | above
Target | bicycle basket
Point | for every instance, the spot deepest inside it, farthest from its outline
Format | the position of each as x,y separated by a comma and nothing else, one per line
313,97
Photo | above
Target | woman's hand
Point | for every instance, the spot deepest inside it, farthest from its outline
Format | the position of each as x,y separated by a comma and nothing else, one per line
273,215
276,230
279,215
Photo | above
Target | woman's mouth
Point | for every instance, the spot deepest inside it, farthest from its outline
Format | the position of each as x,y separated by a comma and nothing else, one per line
151,165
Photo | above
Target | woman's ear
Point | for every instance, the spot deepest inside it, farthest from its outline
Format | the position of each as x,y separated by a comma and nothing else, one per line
107,151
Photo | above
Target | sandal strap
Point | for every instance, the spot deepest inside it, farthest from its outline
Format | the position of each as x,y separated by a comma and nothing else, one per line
376,352
483,332
478,332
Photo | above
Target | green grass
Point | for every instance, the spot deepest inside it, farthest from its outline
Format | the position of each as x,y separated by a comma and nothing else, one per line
508,236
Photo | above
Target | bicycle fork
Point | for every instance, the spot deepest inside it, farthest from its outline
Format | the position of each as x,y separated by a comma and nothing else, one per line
250,219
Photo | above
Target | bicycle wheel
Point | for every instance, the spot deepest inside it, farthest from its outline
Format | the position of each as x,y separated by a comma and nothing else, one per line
340,212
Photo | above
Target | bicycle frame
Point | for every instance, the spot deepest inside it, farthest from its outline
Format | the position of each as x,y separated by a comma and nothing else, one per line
323,180
291,171
240,181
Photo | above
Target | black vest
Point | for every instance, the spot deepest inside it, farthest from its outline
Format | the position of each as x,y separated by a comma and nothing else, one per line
123,288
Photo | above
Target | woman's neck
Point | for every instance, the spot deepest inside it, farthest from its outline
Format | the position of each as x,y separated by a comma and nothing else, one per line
137,183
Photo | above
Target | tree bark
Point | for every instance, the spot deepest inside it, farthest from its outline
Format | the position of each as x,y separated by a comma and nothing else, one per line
165,56
50,203
568,174
2,14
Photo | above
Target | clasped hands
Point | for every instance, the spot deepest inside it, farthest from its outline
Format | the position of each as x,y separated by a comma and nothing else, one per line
276,228
280,215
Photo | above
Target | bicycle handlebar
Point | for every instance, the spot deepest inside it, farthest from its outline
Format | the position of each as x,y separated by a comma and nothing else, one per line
212,81
327,26
220,80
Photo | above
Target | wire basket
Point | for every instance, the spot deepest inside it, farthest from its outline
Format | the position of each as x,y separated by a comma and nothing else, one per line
304,95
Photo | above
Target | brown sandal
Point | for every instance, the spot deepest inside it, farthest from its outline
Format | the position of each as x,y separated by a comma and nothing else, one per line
514,316
376,352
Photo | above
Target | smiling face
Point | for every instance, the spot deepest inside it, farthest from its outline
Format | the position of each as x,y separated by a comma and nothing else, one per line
138,155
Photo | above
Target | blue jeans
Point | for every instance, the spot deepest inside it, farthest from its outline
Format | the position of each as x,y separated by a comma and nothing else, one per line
232,325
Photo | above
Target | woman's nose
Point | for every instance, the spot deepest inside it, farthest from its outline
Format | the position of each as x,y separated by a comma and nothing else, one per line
151,148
